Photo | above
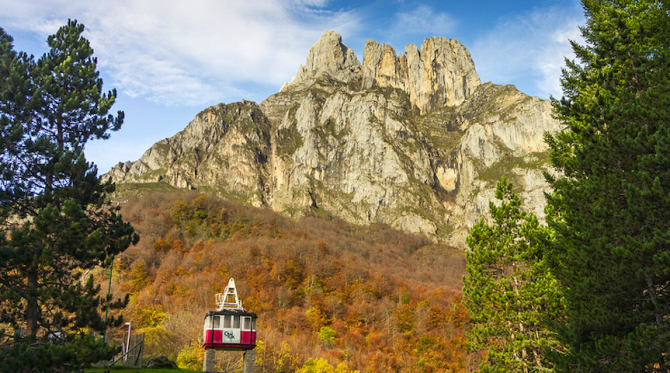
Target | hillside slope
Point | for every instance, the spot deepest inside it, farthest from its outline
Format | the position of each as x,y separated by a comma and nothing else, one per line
372,298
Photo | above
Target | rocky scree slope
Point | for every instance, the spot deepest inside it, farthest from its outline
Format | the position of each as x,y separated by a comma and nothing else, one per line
413,141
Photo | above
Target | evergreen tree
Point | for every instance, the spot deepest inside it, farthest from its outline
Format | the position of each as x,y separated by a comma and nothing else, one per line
508,290
58,222
15,91
610,209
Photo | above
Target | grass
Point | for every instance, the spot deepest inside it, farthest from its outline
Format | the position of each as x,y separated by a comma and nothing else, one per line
132,189
507,165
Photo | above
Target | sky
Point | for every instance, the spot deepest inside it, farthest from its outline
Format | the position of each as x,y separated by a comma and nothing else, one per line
171,59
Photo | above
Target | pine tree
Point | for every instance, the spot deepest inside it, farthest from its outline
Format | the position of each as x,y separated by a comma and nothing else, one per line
15,91
508,291
58,222
610,209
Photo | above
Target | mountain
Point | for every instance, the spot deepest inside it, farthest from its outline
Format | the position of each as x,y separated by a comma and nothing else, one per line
414,141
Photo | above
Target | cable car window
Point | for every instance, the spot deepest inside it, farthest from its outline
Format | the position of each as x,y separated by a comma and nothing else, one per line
217,322
247,323
208,322
226,321
236,322
253,324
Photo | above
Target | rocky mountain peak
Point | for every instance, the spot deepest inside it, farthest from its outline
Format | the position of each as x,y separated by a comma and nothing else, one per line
328,56
440,73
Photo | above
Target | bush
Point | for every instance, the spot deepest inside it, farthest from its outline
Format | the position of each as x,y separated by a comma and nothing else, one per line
322,366
190,358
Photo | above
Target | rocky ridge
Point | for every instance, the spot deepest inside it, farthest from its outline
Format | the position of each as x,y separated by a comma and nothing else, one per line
414,141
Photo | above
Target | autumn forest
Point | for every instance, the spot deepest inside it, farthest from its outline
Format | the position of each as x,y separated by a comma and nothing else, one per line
373,297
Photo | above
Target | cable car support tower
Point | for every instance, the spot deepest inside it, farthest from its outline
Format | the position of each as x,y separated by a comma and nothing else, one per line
229,328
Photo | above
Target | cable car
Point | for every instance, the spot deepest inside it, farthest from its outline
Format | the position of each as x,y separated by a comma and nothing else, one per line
229,327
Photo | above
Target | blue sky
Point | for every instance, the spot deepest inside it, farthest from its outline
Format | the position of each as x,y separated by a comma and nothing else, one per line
170,59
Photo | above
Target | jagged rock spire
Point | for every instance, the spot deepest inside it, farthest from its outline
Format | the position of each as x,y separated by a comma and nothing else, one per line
328,56
440,73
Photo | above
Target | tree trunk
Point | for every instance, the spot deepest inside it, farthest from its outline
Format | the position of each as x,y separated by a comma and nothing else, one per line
658,315
31,308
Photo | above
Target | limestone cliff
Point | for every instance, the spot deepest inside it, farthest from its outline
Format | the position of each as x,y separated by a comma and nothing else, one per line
441,73
414,141
224,149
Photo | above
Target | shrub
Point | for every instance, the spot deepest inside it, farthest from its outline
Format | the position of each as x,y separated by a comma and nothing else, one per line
190,358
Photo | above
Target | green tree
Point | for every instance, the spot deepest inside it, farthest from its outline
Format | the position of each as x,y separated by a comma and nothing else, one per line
15,92
57,222
610,209
327,336
508,290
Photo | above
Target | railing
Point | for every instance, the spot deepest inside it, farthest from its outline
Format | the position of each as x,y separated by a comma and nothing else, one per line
131,356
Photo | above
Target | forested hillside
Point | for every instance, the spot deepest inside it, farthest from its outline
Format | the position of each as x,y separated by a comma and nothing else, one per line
372,298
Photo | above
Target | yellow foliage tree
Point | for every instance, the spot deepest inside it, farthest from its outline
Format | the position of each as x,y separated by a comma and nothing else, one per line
190,357
322,366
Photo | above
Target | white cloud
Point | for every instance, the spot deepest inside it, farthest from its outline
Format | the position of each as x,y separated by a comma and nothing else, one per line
194,53
529,49
424,20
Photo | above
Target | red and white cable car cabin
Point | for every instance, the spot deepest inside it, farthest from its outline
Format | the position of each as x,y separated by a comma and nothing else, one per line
230,330
229,327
